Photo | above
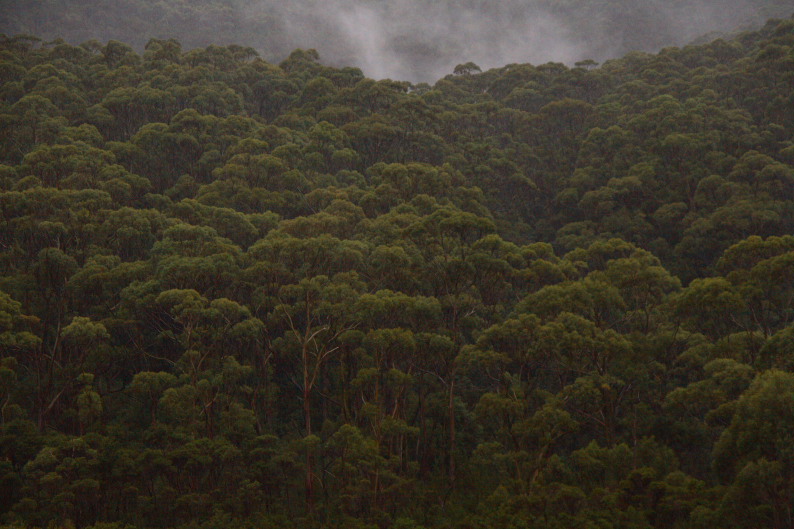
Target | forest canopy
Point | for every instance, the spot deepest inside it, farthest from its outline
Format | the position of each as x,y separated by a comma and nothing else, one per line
235,293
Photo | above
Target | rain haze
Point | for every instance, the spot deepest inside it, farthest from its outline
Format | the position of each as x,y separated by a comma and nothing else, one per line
421,41
413,40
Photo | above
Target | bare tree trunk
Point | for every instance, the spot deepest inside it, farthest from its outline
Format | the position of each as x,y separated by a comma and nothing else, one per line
307,415
451,411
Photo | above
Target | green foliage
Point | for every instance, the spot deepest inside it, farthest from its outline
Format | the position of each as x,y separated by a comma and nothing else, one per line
239,294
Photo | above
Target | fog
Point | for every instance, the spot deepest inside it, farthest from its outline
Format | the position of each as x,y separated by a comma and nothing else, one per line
422,40
414,40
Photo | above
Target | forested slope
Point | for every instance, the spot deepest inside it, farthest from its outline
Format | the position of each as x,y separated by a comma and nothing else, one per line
238,294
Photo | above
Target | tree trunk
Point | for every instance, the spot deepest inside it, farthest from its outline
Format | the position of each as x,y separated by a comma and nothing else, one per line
307,415
451,411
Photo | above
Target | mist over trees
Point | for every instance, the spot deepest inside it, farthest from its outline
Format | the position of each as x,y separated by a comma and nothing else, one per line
412,40
250,294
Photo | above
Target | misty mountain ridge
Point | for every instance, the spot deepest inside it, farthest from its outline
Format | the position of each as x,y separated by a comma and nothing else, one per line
242,295
414,40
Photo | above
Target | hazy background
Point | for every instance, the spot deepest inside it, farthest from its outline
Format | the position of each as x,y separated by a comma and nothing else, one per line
414,40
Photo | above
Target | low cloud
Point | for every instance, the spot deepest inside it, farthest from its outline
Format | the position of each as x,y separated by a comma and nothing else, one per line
413,40
422,40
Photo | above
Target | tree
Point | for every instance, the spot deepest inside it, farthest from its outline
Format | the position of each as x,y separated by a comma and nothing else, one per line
466,69
755,449
313,315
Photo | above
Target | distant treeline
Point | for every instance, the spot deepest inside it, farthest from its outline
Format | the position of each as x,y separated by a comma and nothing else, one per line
425,34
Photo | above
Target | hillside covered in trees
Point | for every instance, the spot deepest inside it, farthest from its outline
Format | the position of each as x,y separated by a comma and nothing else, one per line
239,294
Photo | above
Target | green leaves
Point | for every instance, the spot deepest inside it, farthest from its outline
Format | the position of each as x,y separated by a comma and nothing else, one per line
755,451
240,294
761,425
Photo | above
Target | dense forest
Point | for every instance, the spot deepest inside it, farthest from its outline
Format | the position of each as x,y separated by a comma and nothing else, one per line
246,295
